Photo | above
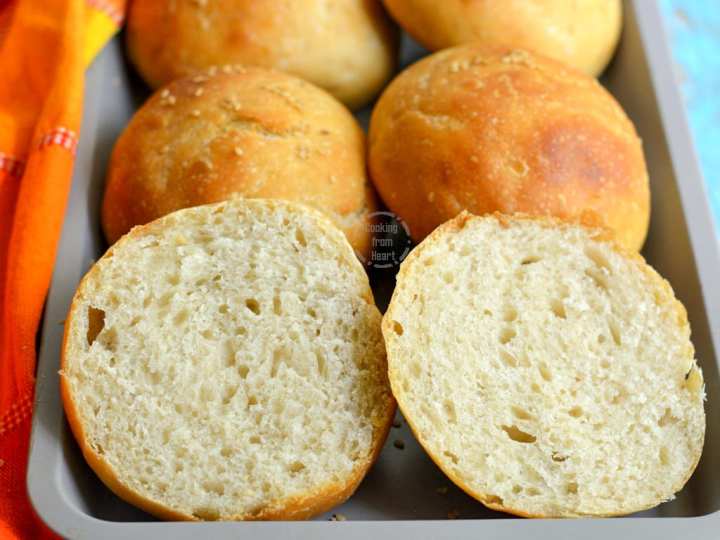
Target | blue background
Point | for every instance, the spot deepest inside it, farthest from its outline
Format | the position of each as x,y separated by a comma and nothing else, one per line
693,27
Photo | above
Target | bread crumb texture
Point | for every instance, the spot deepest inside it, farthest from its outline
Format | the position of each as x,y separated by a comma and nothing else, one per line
546,371
226,362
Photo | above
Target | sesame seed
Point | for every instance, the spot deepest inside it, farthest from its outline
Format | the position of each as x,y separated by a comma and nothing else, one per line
238,151
195,113
198,92
165,93
338,517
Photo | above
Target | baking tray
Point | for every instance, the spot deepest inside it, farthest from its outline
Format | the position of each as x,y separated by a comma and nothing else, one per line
403,495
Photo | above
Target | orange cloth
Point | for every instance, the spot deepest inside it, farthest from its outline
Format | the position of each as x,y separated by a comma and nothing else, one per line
44,48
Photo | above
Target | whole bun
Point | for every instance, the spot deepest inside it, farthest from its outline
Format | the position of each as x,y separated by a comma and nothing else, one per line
582,33
490,129
247,132
348,47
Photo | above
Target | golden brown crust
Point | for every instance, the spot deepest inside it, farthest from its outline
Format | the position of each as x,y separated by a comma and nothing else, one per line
582,34
297,508
239,131
496,129
350,50
602,235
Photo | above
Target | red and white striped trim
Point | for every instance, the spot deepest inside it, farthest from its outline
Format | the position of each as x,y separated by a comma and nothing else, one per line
10,165
109,9
60,136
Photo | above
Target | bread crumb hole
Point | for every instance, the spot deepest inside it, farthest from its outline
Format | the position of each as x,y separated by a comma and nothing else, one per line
576,412
277,306
252,400
296,466
300,237
451,456
545,371
206,514
510,314
518,435
165,299
255,439
571,488
415,370
520,413
508,359
667,418
224,308
506,334
398,328
597,257
535,387
664,456
619,396
214,487
601,339
96,323
279,356
558,308
557,456
448,277
615,332
321,364
598,277
253,305
493,499
229,393
225,452
450,412
429,261
180,317
173,280
517,489
207,334
533,491
530,259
